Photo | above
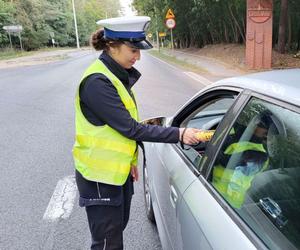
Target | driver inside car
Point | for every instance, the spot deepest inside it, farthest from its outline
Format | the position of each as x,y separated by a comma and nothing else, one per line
244,159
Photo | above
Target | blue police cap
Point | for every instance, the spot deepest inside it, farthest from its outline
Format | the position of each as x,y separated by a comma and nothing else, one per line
128,29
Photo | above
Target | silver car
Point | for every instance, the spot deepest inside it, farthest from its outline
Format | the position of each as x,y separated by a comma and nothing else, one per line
240,190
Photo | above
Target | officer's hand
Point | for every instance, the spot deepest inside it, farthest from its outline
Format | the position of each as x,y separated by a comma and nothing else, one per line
188,135
134,172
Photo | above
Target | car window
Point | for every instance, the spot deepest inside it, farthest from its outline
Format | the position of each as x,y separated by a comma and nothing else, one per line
206,116
257,171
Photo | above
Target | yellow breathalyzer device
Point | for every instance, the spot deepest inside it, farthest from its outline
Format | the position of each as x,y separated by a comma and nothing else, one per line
205,135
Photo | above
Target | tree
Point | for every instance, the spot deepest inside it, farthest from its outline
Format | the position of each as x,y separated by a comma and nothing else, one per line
40,18
7,11
202,22
282,26
199,22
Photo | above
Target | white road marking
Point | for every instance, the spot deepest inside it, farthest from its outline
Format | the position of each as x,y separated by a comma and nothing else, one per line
62,201
193,75
198,78
163,62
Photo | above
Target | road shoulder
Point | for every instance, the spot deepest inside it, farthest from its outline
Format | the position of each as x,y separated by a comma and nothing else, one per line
198,66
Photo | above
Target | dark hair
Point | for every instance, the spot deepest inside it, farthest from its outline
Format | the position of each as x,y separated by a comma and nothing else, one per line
100,43
265,119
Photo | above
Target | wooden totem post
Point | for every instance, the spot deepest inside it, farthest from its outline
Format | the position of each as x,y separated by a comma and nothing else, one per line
259,34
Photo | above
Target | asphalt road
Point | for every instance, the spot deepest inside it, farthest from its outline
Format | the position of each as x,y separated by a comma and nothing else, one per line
36,137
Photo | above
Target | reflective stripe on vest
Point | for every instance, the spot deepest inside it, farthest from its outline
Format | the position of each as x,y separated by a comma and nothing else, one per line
231,183
101,153
244,146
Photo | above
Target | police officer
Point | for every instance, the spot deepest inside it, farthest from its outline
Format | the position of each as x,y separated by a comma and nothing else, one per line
107,130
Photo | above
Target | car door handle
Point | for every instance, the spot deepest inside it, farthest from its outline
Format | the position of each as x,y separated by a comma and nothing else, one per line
173,196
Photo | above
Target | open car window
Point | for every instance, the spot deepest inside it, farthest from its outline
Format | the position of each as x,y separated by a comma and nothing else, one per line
207,116
257,172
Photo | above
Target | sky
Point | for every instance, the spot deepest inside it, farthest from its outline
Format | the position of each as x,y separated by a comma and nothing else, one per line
126,7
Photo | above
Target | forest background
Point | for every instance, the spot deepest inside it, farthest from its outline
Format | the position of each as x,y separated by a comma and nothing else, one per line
198,22
203,22
41,19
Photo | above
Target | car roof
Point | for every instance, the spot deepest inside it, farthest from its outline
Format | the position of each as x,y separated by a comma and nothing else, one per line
279,84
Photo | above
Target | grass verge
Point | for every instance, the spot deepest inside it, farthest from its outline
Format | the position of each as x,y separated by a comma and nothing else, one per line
174,61
10,54
6,54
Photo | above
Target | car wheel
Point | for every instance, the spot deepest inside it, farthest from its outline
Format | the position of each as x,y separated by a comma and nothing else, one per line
147,196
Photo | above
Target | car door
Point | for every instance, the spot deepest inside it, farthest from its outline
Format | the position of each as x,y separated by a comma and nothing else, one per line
247,195
172,168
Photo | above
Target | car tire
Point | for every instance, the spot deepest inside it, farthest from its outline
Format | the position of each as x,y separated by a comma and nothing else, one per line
147,196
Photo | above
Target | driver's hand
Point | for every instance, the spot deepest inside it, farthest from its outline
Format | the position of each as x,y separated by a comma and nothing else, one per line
189,135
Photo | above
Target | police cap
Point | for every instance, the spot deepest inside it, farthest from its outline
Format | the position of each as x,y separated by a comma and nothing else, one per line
128,29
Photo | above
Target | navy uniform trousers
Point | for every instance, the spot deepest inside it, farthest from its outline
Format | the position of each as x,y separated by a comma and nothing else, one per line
107,208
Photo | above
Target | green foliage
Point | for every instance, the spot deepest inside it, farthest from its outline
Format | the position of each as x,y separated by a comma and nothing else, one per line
7,11
42,18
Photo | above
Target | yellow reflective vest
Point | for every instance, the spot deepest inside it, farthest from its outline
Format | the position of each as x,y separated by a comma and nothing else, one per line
232,183
101,153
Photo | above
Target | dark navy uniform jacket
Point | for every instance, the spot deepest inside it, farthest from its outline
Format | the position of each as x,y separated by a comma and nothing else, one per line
101,104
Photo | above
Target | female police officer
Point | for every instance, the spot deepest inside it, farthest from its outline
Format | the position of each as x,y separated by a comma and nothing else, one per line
107,130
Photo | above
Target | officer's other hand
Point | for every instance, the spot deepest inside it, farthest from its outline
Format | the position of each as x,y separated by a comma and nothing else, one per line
189,135
134,173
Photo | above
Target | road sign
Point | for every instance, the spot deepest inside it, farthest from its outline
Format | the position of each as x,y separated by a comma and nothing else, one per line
13,28
162,34
170,23
170,14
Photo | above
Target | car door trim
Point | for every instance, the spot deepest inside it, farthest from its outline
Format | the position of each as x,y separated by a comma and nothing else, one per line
192,105
185,159
222,90
173,196
278,102
243,98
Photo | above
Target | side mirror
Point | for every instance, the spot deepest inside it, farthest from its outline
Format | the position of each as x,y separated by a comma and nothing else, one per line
161,121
